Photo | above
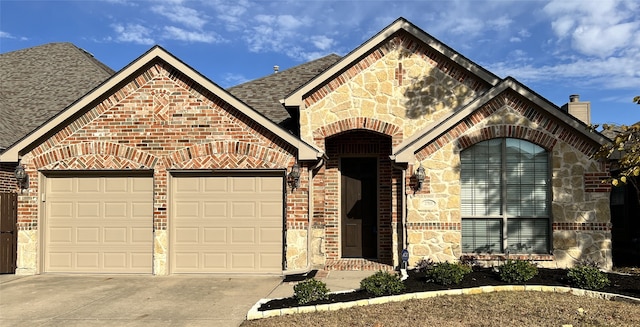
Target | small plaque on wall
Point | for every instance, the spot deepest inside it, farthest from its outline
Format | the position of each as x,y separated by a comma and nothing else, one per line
428,204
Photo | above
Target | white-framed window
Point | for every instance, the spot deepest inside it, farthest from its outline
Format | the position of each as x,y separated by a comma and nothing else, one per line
505,196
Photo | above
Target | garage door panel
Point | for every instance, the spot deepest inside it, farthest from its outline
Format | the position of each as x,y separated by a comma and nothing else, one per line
87,210
242,261
187,210
87,235
88,185
242,209
215,210
60,210
233,211
270,235
99,225
60,235
239,185
116,210
243,235
215,235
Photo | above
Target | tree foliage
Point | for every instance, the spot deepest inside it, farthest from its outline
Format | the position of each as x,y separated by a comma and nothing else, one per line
623,151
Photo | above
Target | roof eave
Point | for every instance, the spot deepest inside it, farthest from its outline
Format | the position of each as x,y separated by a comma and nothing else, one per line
405,151
12,153
296,97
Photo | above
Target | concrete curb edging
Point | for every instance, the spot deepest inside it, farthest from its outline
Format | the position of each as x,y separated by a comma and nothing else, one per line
255,314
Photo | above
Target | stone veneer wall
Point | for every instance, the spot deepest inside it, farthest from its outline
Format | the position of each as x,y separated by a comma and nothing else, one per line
581,227
401,83
395,90
159,120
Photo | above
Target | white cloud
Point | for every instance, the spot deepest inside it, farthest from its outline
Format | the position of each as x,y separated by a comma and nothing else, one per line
5,35
322,42
233,79
596,28
178,13
134,33
176,33
611,73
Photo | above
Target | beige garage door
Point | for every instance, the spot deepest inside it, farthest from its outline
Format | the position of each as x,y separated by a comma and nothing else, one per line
226,224
99,224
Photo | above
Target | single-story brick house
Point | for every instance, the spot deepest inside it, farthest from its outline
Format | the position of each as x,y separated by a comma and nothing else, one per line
340,163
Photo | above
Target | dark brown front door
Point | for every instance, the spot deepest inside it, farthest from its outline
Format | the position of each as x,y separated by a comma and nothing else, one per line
359,207
8,233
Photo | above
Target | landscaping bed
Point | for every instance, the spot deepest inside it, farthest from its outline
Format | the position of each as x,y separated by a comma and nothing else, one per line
623,284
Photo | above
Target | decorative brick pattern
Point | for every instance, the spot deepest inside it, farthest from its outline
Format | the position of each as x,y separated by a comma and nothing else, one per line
356,264
582,226
440,226
358,123
546,135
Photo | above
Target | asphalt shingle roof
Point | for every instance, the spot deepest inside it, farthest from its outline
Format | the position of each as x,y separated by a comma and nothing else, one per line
37,83
264,94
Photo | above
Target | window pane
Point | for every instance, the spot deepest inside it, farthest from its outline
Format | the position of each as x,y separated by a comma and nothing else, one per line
481,236
528,235
527,179
481,179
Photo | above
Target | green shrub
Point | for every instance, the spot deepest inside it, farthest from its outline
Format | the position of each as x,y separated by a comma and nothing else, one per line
446,273
310,290
382,283
587,277
517,271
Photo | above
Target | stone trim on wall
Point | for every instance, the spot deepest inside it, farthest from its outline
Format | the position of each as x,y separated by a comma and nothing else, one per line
409,45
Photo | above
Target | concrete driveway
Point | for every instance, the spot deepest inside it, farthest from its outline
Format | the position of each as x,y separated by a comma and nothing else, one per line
127,300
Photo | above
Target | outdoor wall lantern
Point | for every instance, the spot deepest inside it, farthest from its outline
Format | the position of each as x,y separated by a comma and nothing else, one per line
294,176
420,175
21,177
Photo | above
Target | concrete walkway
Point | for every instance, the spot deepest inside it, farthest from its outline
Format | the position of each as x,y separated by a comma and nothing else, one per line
134,300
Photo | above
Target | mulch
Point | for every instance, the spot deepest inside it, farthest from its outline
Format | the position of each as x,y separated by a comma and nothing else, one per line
628,285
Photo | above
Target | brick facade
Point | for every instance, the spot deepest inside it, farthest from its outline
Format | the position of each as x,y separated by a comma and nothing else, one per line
8,183
158,121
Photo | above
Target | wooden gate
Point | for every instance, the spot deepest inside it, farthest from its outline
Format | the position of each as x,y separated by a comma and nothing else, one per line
8,232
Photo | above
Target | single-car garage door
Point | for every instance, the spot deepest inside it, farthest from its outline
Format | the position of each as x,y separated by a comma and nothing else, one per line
228,224
99,224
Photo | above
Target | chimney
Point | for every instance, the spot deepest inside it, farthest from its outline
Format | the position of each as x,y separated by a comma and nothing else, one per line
276,68
578,109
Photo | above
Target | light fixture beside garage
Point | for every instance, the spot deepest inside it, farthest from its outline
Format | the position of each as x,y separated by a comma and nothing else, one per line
21,177
294,176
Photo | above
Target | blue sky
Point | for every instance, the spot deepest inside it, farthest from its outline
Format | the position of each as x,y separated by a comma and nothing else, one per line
557,47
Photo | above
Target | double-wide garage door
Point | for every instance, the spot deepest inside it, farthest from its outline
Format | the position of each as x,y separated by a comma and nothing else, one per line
226,224
99,224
